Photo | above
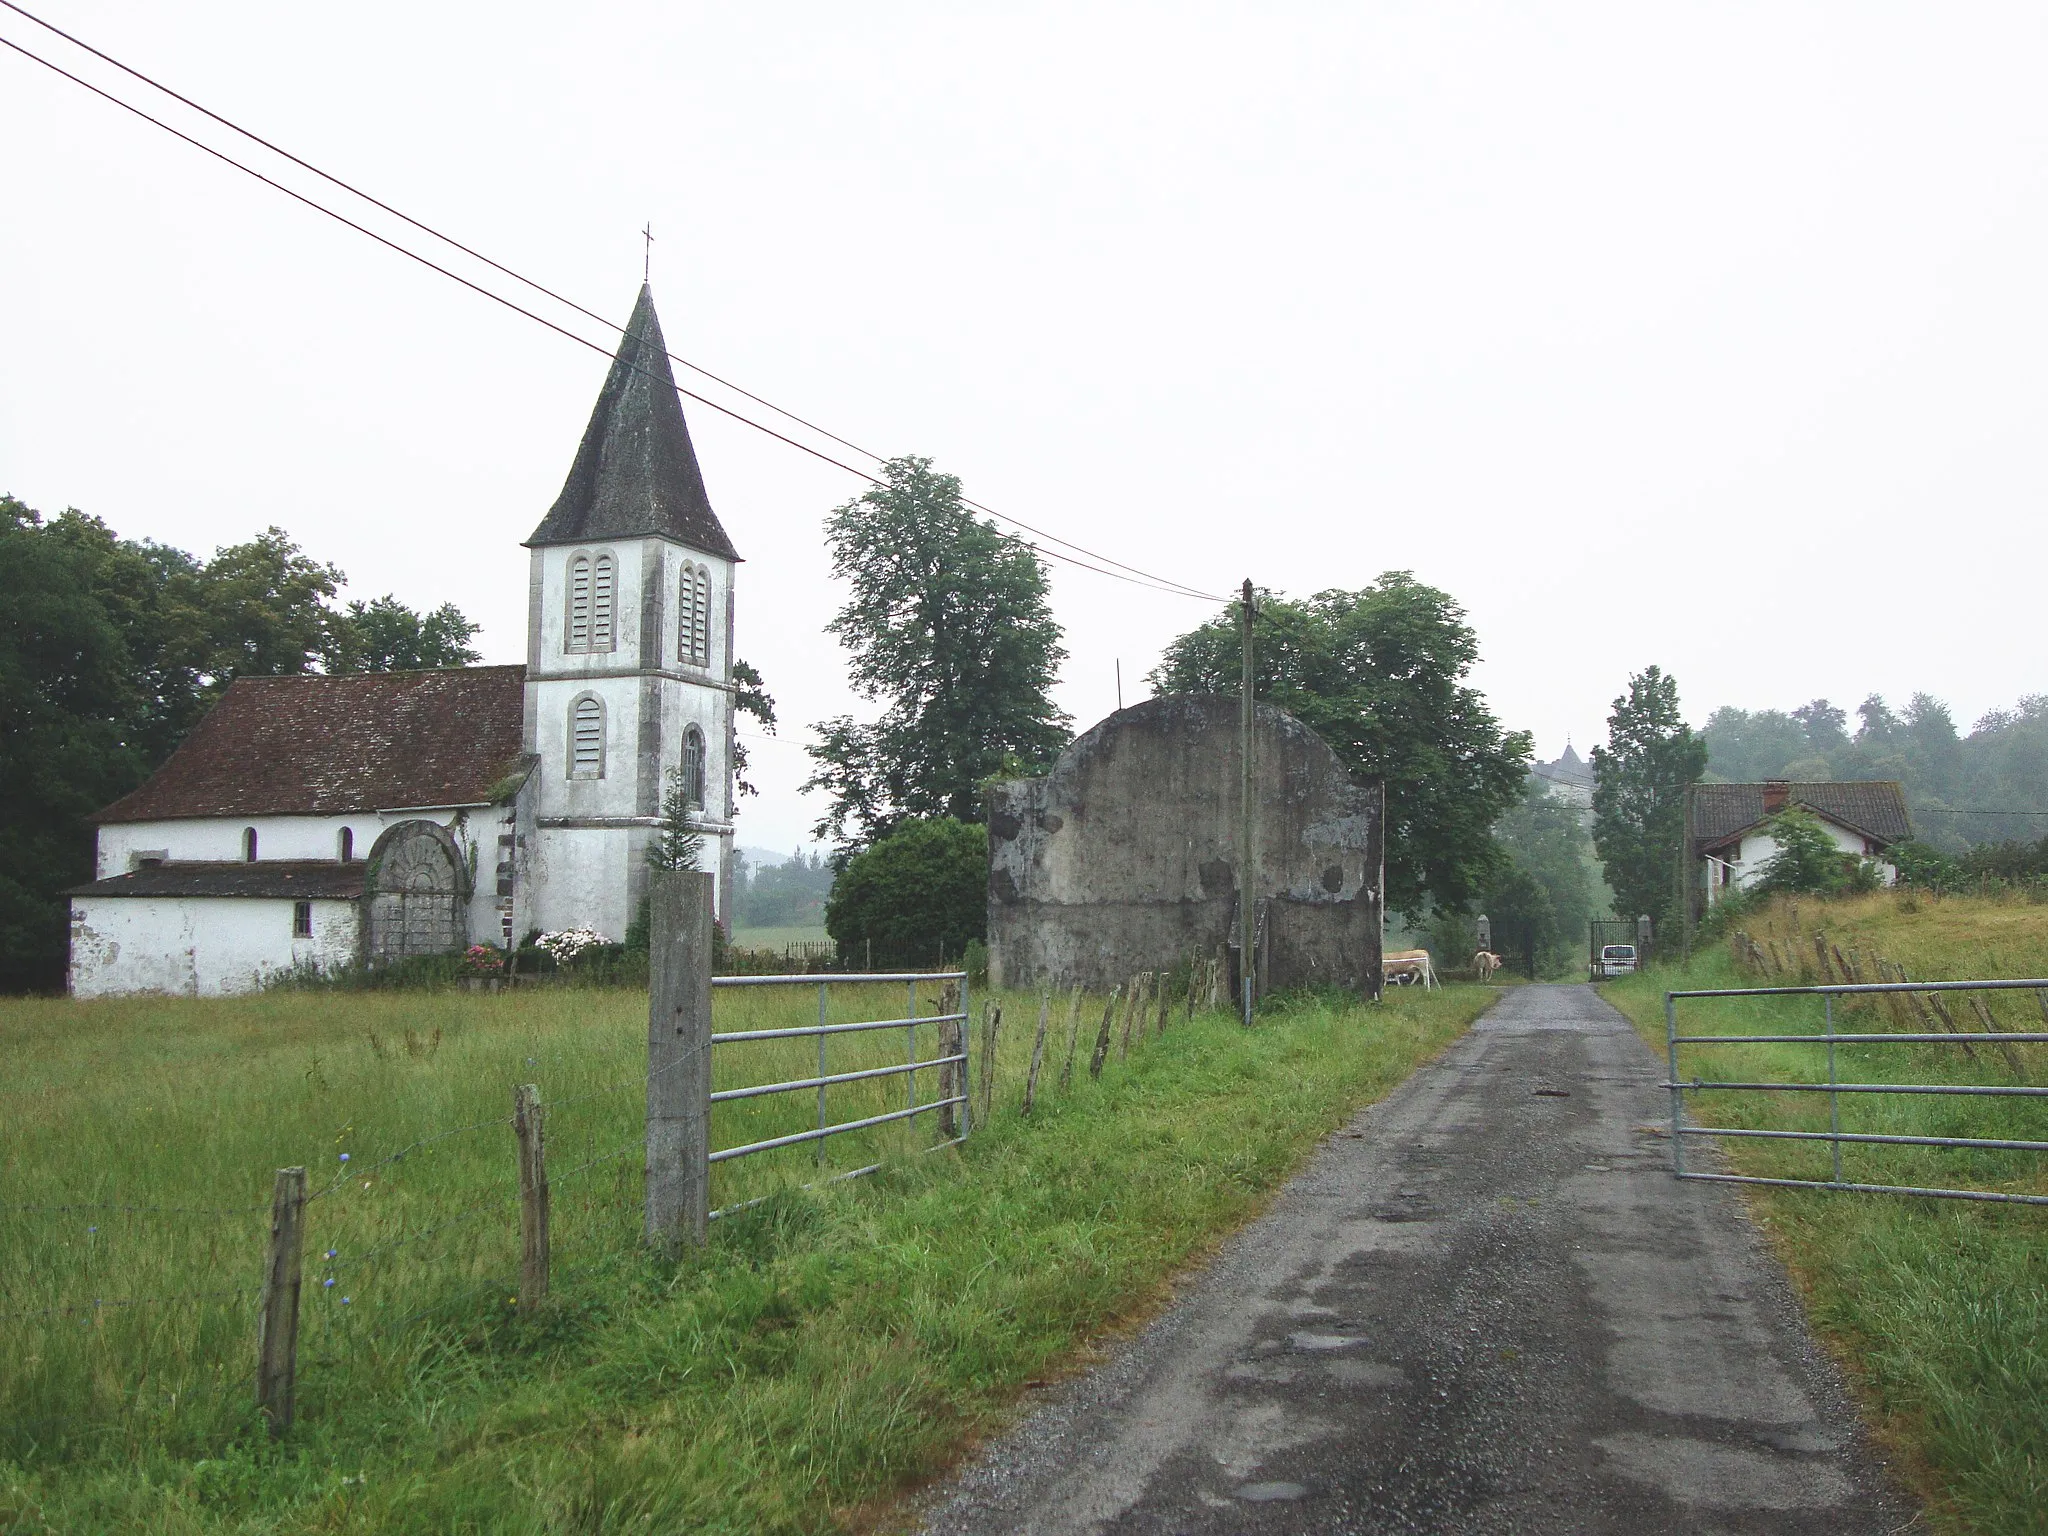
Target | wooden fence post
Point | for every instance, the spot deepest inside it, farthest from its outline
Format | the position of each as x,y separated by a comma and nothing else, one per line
533,1195
1102,1035
277,1319
992,1027
1165,1000
1073,1038
1134,1007
1037,1050
678,1056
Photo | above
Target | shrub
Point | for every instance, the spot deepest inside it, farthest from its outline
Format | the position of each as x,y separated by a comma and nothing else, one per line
917,894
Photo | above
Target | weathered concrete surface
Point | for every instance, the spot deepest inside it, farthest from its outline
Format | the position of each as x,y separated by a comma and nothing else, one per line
1480,1310
1125,856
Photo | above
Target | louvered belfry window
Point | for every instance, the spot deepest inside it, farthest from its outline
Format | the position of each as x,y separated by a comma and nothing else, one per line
693,625
586,739
591,586
601,585
700,637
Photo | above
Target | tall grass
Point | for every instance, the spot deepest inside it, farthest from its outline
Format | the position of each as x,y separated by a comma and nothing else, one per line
1939,1308
825,1347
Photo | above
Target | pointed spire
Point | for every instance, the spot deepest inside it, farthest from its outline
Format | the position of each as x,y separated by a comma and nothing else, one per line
636,472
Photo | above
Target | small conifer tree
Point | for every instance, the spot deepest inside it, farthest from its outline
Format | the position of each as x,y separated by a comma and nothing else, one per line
679,844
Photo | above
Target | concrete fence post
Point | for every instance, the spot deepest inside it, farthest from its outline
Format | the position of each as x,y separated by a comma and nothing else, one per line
678,1056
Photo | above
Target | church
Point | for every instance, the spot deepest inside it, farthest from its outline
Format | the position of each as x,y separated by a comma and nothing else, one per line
323,822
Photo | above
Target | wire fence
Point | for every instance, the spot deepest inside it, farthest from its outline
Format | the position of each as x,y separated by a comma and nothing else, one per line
440,1227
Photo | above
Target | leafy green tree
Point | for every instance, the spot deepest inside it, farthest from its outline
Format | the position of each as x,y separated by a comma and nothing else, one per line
677,844
1807,860
384,635
1639,780
1545,841
914,895
948,624
66,700
1380,674
751,698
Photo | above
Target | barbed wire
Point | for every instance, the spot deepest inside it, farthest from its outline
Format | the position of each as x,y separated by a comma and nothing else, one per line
100,1303
79,1208
357,1171
331,1260
634,1145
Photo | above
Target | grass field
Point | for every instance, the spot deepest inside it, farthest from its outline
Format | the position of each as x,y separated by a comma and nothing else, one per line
1938,1308
827,1349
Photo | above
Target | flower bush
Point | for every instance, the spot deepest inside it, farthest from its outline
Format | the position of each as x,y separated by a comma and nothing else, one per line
571,944
483,960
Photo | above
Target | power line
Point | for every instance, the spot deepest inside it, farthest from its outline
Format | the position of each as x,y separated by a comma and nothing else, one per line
1134,573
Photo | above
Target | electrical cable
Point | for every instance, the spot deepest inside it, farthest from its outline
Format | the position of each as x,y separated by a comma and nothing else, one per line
1135,574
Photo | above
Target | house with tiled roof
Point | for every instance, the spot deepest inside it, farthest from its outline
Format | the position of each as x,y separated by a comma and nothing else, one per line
317,821
1729,832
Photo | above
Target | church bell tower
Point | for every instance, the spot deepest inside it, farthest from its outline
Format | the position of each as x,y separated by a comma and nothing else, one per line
628,651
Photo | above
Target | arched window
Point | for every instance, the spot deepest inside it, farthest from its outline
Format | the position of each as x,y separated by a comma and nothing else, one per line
586,738
693,624
693,766
601,604
686,617
345,845
576,633
700,637
588,626
249,845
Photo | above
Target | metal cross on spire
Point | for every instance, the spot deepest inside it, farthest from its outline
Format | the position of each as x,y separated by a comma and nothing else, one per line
647,255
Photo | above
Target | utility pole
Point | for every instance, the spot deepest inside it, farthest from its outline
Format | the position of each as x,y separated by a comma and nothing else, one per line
1247,854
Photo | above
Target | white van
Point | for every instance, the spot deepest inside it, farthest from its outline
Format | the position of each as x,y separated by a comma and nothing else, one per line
1617,960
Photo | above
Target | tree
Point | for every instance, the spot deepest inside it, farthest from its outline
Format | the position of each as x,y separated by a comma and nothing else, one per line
915,895
677,844
1380,675
1807,860
66,700
1547,844
383,635
1639,780
750,697
948,623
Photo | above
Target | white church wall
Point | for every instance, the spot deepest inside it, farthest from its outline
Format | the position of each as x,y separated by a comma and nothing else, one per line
199,946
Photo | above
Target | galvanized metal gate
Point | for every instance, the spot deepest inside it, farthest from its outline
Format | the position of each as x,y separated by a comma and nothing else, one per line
1830,1039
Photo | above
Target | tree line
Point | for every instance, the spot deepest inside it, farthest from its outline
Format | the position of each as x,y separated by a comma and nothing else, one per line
110,651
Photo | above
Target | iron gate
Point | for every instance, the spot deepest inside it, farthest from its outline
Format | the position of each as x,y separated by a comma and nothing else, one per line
1829,1039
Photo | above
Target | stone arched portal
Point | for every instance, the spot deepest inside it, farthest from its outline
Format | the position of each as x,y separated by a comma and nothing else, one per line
418,887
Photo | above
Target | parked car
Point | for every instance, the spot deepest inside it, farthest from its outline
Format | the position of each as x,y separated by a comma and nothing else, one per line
1615,960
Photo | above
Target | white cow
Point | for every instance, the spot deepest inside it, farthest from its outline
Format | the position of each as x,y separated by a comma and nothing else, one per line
1484,964
1408,967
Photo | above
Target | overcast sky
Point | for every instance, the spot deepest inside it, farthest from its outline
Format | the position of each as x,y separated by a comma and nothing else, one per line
1712,336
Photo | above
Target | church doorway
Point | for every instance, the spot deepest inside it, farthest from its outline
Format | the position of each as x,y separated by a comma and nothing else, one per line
418,886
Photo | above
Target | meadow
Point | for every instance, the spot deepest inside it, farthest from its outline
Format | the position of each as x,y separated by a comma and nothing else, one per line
1938,1309
829,1347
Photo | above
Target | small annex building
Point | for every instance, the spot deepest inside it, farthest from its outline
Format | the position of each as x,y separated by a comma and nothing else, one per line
1127,857
1731,841
324,821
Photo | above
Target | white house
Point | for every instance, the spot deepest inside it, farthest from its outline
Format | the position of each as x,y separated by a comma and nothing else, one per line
1732,843
316,820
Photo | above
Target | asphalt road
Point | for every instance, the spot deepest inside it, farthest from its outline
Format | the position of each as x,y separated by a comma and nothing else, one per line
1486,1306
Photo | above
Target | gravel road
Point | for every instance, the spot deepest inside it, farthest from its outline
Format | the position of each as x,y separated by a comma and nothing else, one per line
1485,1306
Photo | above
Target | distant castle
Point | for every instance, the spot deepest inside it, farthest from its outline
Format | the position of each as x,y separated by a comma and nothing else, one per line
319,821
1570,778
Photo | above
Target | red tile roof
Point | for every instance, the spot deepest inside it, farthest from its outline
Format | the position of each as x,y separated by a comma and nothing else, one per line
312,745
289,879
1874,807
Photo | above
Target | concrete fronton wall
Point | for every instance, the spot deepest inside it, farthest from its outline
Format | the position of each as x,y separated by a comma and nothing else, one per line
1125,857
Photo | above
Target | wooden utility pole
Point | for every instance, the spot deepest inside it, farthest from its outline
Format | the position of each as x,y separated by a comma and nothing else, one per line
533,1195
277,1320
1247,849
678,1056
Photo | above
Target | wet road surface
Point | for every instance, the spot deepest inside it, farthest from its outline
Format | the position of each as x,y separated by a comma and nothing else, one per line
1484,1307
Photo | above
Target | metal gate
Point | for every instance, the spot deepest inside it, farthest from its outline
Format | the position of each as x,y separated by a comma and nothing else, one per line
1829,1039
